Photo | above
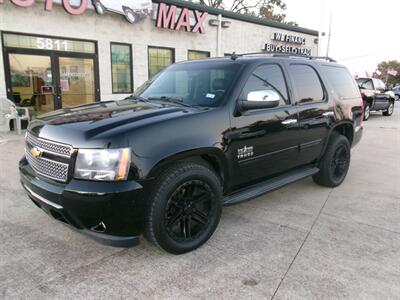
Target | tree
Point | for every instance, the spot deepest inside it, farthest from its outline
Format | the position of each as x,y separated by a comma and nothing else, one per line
384,66
266,9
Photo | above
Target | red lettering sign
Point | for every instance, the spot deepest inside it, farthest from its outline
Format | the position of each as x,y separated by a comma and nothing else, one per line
75,11
49,5
166,18
23,3
200,19
184,20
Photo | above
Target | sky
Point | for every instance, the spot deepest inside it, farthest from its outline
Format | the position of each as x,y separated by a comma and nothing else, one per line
363,33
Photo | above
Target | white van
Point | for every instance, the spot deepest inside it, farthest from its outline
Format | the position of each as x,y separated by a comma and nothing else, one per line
133,10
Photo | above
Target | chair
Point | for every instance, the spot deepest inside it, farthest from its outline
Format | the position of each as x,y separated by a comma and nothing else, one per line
9,111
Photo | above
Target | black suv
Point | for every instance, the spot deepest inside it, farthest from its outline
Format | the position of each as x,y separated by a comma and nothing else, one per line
199,135
376,97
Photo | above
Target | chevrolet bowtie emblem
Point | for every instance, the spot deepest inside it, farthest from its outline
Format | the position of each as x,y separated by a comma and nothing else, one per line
36,152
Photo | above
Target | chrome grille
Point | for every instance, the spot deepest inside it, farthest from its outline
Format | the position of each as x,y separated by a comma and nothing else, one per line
48,146
49,168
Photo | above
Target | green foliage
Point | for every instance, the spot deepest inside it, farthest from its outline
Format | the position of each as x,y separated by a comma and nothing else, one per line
383,68
267,9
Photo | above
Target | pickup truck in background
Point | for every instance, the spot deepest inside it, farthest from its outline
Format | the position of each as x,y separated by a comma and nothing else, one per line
376,97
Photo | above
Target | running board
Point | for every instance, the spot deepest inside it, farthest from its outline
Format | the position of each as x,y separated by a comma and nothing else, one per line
269,185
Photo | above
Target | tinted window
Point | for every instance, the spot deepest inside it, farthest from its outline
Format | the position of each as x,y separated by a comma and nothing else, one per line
267,77
365,83
342,82
307,84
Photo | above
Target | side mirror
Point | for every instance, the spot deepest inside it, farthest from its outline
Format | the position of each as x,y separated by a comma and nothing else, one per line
260,99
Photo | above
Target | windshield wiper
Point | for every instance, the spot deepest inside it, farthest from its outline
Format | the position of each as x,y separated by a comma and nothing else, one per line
174,100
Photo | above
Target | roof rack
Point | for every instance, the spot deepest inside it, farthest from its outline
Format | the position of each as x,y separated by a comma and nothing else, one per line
279,54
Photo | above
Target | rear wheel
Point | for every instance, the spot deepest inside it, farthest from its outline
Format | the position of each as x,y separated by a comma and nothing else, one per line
99,8
389,110
367,111
185,208
335,163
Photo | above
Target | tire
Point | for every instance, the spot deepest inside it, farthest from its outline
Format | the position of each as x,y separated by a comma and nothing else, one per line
390,110
367,111
130,16
99,7
184,208
335,163
397,97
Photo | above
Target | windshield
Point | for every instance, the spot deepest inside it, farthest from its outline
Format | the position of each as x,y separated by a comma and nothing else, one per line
195,83
361,82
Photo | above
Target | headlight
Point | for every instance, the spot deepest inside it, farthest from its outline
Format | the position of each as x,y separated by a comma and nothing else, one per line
103,164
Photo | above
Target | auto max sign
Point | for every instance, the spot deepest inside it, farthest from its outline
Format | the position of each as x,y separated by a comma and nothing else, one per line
132,10
169,18
286,43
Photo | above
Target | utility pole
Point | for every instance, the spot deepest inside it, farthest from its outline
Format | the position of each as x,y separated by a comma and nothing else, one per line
329,35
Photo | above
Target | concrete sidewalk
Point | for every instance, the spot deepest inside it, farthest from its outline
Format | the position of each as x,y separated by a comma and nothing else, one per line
301,242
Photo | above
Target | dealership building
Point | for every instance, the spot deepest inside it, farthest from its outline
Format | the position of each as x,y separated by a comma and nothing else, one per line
64,53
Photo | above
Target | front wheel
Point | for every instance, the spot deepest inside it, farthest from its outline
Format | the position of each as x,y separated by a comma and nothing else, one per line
335,163
130,16
99,7
367,111
389,110
184,208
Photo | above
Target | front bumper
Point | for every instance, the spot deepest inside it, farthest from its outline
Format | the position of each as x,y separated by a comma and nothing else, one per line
111,213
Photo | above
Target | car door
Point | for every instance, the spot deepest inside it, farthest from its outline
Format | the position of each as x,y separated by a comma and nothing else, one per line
381,98
314,109
263,142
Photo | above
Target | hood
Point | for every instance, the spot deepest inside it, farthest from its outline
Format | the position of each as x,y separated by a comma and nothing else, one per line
102,124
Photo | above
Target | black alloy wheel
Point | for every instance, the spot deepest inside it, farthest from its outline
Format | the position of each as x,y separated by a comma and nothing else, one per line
189,210
340,163
184,207
335,162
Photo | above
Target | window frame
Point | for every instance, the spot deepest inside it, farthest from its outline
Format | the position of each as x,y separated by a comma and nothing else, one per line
157,47
130,65
288,92
324,91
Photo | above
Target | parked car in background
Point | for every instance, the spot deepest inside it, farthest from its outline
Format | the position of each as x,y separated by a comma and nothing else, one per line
396,91
132,10
376,97
197,136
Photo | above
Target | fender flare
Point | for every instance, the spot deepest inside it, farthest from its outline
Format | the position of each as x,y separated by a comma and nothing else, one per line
212,156
334,128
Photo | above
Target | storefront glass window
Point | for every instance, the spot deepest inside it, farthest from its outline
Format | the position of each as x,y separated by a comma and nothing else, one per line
121,64
159,58
32,82
192,54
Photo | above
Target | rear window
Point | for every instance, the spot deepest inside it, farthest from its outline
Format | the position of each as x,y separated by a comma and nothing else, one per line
342,82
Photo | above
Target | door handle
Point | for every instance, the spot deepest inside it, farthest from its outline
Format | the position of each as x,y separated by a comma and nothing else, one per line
328,114
289,121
